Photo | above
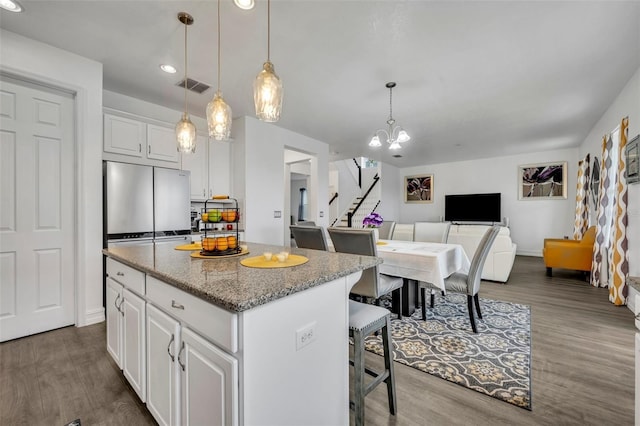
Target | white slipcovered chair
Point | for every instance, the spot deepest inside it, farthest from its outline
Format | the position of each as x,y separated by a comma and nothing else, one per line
431,232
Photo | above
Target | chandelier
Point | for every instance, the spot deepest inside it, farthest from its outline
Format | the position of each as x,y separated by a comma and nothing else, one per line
185,129
218,111
395,135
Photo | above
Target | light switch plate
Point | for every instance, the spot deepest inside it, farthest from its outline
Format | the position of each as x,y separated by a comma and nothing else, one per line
277,213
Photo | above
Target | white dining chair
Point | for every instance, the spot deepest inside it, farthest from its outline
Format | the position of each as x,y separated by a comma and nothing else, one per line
431,232
465,283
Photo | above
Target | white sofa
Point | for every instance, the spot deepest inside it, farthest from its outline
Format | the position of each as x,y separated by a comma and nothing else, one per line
501,257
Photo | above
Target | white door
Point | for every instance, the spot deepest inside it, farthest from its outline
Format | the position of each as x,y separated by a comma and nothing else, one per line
134,343
37,234
209,383
162,386
114,320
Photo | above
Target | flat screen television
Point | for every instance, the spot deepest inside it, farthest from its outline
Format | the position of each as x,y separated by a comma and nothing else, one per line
472,208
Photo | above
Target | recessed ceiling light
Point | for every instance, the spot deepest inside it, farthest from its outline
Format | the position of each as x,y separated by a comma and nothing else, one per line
245,4
166,68
10,5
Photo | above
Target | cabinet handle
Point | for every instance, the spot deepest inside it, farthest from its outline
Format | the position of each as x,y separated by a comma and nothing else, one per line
180,355
120,274
115,302
204,192
173,359
149,149
139,147
177,305
120,306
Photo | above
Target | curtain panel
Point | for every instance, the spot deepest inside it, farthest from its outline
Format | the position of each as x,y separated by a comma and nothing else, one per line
610,266
581,222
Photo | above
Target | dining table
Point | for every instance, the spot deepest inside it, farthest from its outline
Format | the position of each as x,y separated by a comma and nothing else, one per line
419,261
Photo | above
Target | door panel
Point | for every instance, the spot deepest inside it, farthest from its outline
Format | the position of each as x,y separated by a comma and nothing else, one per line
134,343
37,217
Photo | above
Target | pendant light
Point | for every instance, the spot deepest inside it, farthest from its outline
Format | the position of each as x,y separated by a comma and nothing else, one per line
218,112
185,129
267,87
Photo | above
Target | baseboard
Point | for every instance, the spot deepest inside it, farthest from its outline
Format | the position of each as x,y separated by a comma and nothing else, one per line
528,253
93,316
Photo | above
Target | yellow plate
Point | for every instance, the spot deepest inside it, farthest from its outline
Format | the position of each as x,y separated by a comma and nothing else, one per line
189,247
381,243
261,262
199,255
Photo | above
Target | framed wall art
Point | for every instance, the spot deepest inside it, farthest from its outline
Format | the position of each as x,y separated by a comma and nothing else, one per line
542,181
418,189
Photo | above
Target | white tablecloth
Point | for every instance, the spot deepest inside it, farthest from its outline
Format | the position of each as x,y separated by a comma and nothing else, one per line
428,262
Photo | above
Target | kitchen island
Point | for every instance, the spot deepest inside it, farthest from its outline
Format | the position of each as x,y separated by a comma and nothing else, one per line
210,341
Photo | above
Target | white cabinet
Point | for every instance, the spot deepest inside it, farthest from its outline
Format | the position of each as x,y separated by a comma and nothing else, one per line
134,342
210,168
219,168
114,322
209,380
190,380
124,135
139,137
162,144
198,164
162,376
126,341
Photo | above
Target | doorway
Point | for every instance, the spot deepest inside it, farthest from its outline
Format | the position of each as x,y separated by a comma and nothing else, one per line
37,213
301,192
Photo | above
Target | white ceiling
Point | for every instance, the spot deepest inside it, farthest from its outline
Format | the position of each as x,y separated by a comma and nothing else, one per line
475,78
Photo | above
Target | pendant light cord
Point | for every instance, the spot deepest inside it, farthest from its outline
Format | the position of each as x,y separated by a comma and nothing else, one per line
185,70
218,45
268,30
390,103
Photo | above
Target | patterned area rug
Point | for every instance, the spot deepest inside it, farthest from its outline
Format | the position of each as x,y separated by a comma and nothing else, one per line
495,362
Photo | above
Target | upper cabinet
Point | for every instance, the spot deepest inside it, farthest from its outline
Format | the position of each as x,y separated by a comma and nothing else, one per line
124,136
210,168
140,139
162,144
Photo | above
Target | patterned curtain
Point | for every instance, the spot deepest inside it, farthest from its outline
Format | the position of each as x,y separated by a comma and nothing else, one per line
611,227
582,199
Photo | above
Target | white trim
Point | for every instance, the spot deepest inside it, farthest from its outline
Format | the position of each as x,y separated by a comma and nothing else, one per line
94,316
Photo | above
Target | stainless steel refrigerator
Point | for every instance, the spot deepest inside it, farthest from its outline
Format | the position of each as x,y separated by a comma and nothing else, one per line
145,203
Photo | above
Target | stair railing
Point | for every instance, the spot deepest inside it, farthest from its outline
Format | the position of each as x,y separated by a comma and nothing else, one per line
350,214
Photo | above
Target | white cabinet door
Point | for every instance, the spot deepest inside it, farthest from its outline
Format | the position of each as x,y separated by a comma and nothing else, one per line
162,144
114,321
134,342
198,164
209,383
219,168
123,135
163,335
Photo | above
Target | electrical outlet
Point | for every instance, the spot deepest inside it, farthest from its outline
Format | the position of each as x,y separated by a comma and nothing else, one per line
321,213
277,213
305,335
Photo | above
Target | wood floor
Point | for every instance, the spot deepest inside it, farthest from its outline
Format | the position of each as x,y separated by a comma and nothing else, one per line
582,361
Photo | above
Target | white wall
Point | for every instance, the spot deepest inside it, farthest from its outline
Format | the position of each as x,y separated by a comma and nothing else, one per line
48,65
530,220
391,199
349,188
626,104
260,152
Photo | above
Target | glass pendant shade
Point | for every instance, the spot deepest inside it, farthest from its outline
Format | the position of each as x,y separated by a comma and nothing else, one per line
394,145
219,118
267,94
403,136
186,135
375,141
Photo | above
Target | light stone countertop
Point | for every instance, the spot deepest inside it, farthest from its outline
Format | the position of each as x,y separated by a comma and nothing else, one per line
230,285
